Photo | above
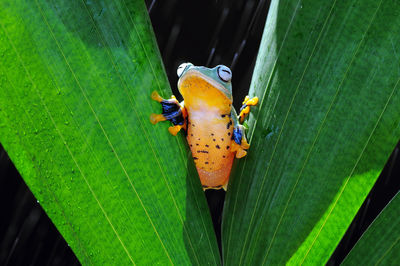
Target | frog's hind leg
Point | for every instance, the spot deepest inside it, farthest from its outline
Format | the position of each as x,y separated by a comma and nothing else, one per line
245,109
239,142
172,111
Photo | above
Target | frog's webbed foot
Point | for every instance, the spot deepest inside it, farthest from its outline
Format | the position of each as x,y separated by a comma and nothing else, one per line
172,111
245,109
239,142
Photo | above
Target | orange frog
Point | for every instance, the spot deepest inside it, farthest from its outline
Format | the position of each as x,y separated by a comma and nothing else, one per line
214,133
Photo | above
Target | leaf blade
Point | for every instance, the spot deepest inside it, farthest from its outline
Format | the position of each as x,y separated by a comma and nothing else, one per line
78,88
311,78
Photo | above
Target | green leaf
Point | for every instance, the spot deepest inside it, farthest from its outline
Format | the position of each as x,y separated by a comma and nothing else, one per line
327,75
380,244
76,79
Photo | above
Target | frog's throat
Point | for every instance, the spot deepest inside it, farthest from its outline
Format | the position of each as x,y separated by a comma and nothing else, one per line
194,73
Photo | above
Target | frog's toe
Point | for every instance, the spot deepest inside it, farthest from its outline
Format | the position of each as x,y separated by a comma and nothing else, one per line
155,118
156,97
175,129
253,101
241,153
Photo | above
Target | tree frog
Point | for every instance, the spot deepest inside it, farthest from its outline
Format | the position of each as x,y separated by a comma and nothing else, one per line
213,128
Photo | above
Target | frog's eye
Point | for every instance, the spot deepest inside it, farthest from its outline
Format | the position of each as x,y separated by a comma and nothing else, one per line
182,68
224,73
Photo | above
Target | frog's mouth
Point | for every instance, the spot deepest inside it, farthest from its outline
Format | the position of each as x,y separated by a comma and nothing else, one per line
197,84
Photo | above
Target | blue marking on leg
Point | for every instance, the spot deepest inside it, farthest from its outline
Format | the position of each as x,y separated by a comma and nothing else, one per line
237,135
171,110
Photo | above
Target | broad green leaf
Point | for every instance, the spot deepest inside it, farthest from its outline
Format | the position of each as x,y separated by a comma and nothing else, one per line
76,79
327,75
380,244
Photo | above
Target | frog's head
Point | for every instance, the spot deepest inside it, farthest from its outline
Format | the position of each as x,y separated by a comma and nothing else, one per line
201,84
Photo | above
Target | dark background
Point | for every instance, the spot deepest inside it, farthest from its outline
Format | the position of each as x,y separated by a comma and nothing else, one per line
205,33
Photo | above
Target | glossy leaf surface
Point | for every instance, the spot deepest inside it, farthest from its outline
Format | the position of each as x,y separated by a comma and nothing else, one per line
76,79
327,76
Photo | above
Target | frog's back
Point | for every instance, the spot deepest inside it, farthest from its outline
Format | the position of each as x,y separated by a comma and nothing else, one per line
209,136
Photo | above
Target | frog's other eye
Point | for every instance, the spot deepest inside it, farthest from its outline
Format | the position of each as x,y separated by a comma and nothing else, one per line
182,68
224,73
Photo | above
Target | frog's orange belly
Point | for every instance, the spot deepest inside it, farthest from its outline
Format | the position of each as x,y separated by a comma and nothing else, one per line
210,140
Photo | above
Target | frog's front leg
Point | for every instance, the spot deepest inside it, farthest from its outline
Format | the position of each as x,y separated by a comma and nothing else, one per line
172,111
239,141
245,109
